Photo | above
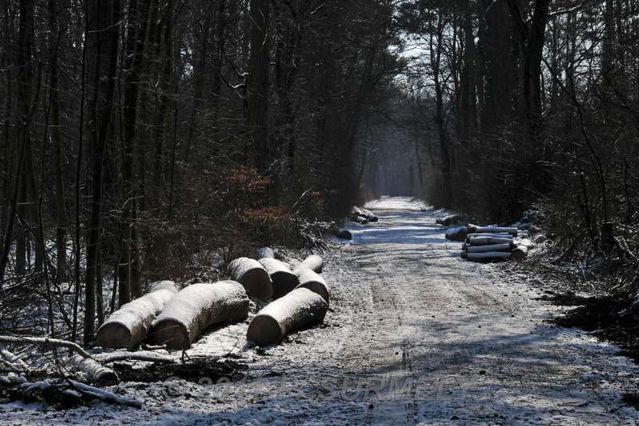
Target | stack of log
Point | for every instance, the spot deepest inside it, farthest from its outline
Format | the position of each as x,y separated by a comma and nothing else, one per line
175,319
491,243
302,299
362,216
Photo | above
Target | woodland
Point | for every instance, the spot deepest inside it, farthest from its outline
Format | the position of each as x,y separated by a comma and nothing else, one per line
143,140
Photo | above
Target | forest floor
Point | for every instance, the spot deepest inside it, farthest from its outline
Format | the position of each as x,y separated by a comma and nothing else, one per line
415,334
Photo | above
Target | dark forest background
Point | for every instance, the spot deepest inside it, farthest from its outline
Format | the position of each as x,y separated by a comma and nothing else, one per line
136,135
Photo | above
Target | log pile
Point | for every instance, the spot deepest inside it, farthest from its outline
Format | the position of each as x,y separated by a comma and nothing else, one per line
303,306
362,216
493,244
486,243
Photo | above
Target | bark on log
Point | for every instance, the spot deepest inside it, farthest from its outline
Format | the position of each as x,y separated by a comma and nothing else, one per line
298,309
484,241
94,371
313,262
284,280
194,309
520,253
253,276
314,282
491,255
448,220
128,326
506,247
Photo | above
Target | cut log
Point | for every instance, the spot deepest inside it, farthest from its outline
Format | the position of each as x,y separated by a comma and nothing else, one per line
485,241
484,234
313,262
129,325
194,309
299,309
314,282
283,279
94,371
520,252
506,247
448,220
253,276
491,255
263,252
343,234
494,230
457,234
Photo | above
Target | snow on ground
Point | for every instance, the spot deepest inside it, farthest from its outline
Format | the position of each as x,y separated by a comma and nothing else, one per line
415,335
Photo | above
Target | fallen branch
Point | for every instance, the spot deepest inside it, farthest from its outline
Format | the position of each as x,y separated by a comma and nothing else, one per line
103,395
137,356
46,342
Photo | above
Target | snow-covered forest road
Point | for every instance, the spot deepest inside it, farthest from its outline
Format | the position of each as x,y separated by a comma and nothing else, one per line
414,335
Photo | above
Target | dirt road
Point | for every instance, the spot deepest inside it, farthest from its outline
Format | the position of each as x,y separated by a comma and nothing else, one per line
415,335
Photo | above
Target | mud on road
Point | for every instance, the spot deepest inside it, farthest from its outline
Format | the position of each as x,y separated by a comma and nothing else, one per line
415,335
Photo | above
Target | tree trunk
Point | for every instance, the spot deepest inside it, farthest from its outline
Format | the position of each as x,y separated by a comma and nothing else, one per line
195,308
55,133
128,326
298,309
102,47
283,279
314,282
253,276
258,84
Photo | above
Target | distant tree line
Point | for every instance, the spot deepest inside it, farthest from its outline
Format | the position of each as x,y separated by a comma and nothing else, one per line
532,103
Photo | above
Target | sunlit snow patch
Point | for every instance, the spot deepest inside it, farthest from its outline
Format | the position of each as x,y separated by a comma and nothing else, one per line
397,203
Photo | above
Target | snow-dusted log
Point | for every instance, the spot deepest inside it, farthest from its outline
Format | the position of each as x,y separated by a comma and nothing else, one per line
195,308
313,281
94,371
490,255
485,234
485,241
457,234
128,326
493,230
520,252
492,247
448,220
313,262
284,280
263,252
253,276
298,309
363,216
